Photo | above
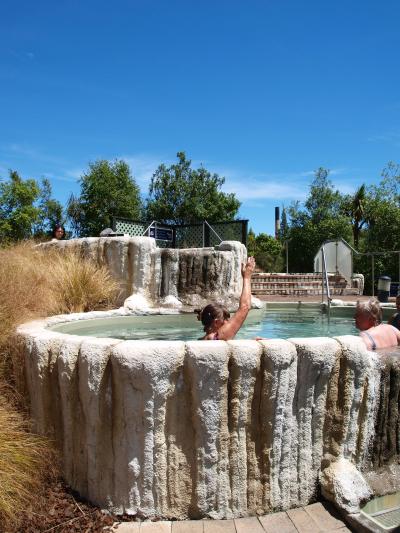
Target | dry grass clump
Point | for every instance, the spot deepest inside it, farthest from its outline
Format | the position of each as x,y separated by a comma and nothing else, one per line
24,292
27,461
80,285
35,282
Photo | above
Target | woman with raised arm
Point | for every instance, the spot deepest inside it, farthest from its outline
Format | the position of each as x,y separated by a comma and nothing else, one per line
218,325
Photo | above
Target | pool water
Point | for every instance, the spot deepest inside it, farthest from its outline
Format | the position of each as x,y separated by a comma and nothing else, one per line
281,324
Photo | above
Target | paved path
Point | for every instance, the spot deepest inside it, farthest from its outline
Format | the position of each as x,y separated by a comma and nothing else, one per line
315,518
313,298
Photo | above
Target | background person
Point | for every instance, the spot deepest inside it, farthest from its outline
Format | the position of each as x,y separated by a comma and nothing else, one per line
58,233
375,335
216,318
395,319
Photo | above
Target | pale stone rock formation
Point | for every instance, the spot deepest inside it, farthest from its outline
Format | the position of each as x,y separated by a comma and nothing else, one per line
150,276
343,484
211,429
137,303
206,429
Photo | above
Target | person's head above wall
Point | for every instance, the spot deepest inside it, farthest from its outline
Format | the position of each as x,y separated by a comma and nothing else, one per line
368,314
58,232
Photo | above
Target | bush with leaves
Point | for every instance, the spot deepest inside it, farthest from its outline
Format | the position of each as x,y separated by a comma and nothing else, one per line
108,190
180,194
267,251
26,209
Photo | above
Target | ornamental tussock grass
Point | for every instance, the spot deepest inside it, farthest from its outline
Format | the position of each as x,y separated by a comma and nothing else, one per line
80,285
27,463
35,282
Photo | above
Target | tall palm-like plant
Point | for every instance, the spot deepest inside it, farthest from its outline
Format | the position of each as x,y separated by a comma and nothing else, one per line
358,213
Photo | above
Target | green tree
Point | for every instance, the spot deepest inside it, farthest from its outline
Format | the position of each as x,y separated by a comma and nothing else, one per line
284,229
268,254
323,201
26,208
107,190
320,219
180,194
50,211
354,208
251,242
267,251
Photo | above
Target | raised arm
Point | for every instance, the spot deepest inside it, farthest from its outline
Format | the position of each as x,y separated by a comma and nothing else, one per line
230,328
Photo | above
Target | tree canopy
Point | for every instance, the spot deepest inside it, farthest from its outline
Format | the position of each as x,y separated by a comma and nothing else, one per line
26,208
266,250
369,219
180,194
107,190
321,218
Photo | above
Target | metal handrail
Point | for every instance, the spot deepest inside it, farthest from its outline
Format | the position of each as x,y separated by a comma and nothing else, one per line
326,281
369,254
213,230
147,229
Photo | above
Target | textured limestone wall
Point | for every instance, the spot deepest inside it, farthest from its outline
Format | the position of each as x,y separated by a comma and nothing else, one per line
197,429
161,276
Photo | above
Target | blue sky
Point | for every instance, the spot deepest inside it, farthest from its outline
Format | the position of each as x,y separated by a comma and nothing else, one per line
261,92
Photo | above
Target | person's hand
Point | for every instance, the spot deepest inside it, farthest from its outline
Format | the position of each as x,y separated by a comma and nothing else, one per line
248,267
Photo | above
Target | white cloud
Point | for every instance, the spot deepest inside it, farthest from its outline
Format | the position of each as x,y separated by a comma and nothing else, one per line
18,151
276,186
143,167
69,176
73,174
347,187
253,190
389,137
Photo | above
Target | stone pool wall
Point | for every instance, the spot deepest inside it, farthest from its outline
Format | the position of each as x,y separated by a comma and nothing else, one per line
212,429
165,276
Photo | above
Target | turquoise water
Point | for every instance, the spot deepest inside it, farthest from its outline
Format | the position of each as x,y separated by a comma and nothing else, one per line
271,324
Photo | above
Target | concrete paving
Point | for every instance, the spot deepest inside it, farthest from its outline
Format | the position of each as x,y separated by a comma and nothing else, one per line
315,518
314,298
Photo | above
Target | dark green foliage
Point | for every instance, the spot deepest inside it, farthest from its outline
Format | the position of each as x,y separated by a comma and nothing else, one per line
50,212
320,219
382,211
323,201
284,229
267,251
369,220
107,189
355,208
180,194
26,209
